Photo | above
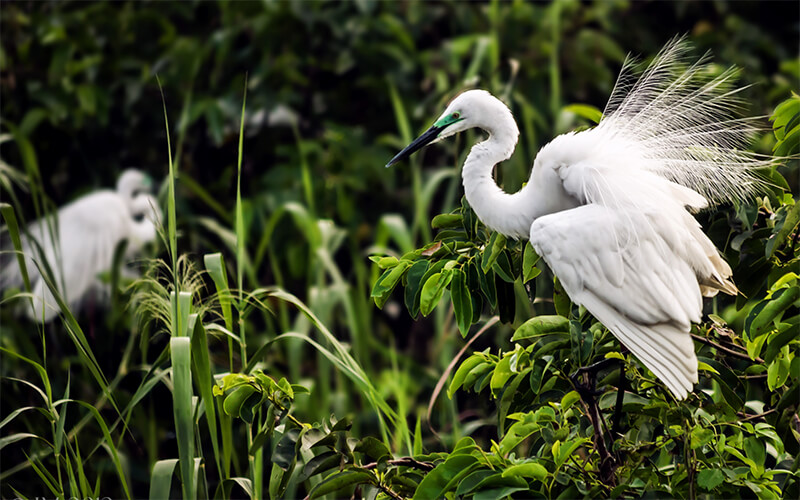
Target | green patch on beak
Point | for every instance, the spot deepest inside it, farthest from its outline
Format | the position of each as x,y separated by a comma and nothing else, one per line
448,120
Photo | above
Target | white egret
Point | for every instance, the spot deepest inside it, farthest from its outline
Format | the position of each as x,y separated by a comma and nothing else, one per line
610,208
80,241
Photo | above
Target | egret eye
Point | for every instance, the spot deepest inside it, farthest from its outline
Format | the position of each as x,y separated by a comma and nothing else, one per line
456,115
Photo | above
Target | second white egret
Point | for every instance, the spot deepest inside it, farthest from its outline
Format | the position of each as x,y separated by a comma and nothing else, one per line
610,209
81,243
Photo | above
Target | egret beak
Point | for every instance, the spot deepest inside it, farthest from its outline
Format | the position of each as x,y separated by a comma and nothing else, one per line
420,142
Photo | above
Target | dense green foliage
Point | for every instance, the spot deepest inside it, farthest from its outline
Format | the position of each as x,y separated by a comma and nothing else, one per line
266,355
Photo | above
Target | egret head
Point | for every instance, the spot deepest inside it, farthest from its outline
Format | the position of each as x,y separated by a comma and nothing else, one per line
134,182
473,108
146,216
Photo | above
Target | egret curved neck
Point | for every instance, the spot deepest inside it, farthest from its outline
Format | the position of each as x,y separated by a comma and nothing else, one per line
508,214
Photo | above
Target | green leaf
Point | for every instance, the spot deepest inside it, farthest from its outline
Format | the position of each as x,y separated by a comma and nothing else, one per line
777,373
502,372
708,479
372,448
462,301
470,482
437,481
446,221
701,436
387,262
432,291
561,299
587,111
529,260
286,449
462,372
161,478
786,333
530,470
234,401
539,326
215,266
320,463
789,223
341,480
502,266
780,301
754,450
569,399
414,285
180,349
493,249
387,282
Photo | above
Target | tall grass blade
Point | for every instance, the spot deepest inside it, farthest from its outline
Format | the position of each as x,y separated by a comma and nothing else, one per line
201,370
171,217
180,348
13,230
215,265
161,478
109,444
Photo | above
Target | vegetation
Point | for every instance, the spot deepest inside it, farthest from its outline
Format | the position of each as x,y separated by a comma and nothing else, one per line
299,323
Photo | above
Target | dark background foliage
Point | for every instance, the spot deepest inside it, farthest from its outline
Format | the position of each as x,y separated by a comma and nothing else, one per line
334,89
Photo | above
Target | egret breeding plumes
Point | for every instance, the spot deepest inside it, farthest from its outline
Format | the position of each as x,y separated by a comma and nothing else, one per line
610,208
79,241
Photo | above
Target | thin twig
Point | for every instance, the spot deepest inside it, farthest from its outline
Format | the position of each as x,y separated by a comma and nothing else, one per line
724,349
443,378
753,417
404,462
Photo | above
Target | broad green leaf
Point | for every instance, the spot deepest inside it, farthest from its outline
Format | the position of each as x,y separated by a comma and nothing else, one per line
234,401
708,479
340,480
778,373
781,300
436,482
587,111
786,332
531,470
701,436
180,349
442,221
161,478
372,448
569,399
529,260
502,372
561,299
286,449
493,249
432,291
789,223
414,286
387,282
462,301
539,326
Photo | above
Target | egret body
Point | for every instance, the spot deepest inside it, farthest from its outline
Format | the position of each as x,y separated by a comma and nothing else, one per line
79,242
610,209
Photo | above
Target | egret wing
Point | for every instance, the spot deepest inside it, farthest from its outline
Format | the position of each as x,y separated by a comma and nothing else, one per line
633,278
88,231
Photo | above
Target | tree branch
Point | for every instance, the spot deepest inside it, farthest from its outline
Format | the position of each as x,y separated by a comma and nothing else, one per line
724,349
405,462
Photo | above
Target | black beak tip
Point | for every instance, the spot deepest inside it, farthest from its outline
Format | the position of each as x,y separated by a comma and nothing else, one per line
416,145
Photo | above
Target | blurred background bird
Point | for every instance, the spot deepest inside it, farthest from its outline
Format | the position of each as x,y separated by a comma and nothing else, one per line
78,242
610,208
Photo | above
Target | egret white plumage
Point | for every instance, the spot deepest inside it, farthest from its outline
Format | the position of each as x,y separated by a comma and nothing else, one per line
610,208
80,241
